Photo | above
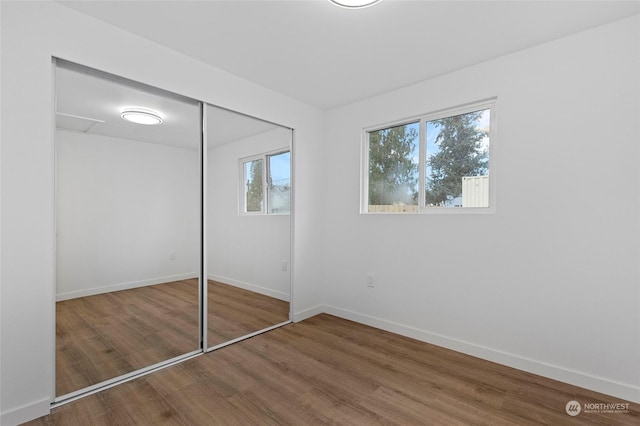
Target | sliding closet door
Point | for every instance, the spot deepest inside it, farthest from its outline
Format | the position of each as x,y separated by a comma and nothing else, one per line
128,227
248,225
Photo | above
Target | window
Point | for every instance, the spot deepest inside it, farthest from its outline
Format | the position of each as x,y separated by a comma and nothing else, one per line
393,167
435,163
266,177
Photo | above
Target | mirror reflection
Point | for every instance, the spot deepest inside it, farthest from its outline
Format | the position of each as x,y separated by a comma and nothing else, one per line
128,227
248,225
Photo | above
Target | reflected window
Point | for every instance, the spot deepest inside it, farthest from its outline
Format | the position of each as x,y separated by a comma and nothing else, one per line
254,188
267,177
279,187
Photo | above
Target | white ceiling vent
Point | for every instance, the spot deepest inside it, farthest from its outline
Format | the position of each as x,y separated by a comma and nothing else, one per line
76,123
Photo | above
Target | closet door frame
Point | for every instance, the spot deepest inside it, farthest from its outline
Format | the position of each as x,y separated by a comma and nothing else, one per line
202,278
59,400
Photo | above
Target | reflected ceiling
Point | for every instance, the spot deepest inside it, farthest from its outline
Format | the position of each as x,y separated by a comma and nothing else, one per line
228,126
92,103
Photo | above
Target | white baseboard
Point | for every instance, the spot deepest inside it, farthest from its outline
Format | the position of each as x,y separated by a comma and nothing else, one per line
251,287
598,384
26,413
124,286
308,313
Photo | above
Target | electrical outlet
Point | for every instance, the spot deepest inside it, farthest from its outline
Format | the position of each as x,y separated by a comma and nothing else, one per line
172,255
284,265
371,283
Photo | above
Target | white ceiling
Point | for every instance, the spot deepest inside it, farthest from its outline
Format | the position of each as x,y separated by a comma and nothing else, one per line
328,56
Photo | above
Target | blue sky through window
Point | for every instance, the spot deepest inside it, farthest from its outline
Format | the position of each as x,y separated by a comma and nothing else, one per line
433,131
280,167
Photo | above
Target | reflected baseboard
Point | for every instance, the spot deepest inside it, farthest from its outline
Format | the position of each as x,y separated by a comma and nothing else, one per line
251,287
124,286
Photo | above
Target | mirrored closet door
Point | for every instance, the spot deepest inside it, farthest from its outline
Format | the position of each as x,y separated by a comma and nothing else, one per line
147,205
128,223
248,225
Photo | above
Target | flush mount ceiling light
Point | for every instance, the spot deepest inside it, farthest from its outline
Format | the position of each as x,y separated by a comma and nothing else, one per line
139,115
354,4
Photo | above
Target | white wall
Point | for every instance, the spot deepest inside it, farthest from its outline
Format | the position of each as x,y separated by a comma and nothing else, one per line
548,284
123,208
31,33
245,250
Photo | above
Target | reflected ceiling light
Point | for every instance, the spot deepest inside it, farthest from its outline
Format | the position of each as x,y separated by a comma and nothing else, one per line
139,115
354,4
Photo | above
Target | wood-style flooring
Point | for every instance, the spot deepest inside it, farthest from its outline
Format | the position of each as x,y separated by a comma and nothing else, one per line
107,335
327,370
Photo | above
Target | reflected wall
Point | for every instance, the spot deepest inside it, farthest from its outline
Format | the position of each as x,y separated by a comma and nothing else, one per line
248,242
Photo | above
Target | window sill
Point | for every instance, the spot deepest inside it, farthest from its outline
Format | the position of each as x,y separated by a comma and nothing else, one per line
436,211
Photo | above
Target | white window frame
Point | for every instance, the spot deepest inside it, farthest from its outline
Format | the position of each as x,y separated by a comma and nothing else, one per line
422,119
242,193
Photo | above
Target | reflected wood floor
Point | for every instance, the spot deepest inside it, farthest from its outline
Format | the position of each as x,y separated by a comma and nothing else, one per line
235,312
327,370
104,336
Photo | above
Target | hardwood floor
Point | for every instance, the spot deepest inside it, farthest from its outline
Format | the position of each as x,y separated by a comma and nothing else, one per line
104,336
326,370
